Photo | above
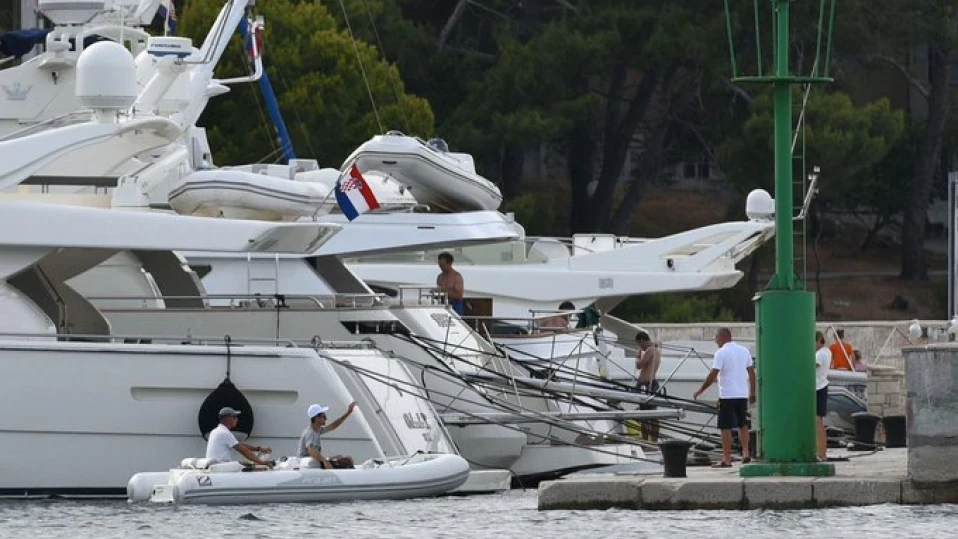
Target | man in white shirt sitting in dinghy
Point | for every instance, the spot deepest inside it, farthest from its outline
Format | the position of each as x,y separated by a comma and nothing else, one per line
222,442
309,441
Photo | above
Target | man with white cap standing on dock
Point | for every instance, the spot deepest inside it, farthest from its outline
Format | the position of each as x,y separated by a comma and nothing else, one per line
309,441
221,443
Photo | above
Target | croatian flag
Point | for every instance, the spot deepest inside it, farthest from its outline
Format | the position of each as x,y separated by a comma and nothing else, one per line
167,12
354,195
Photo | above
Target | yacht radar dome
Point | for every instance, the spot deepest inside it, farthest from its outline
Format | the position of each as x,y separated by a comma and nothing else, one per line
65,12
165,49
760,206
106,77
181,47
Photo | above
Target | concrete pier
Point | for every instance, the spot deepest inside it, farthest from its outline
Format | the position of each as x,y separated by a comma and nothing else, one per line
926,472
865,479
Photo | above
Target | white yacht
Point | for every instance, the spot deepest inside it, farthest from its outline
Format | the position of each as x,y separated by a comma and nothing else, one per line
153,184
316,299
116,406
134,402
173,160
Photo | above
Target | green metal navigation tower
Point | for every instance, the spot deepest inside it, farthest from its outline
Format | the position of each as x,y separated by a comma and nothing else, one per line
785,311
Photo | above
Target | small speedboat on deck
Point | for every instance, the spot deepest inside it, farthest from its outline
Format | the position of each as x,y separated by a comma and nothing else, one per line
301,480
437,177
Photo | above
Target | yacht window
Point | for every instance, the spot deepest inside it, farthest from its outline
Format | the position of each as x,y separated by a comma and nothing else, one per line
368,327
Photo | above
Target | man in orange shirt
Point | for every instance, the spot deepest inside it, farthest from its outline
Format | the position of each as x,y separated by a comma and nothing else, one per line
842,353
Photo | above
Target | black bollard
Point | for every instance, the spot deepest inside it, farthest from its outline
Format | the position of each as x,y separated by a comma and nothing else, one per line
865,425
895,431
674,454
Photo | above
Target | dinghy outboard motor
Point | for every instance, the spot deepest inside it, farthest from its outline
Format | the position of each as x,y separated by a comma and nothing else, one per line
226,394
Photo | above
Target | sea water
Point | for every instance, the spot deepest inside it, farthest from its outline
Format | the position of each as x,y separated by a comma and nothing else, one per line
508,515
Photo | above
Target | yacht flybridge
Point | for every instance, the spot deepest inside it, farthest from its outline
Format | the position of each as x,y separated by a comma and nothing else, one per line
530,275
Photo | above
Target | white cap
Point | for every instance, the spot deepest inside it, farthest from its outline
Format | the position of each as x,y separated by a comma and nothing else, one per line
315,410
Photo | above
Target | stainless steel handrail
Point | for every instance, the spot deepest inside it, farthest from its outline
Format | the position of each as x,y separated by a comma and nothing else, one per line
67,118
336,299
201,340
428,291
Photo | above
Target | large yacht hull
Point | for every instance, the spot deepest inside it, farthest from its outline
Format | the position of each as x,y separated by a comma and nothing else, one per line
484,446
90,415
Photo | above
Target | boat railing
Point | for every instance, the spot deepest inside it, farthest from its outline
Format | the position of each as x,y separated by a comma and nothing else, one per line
420,294
533,325
617,241
249,301
132,338
317,343
490,253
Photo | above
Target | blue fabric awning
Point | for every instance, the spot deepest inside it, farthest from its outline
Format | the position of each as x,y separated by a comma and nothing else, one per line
20,42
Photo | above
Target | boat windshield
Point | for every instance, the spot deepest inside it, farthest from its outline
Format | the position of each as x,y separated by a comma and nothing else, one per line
438,144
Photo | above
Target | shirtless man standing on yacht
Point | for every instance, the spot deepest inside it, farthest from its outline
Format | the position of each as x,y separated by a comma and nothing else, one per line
450,282
647,364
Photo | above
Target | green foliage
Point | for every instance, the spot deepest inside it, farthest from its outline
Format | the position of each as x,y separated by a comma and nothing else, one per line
533,93
319,84
846,141
535,212
675,309
886,187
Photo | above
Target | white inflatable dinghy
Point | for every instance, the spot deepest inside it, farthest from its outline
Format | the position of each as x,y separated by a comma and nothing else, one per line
237,193
301,480
443,179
